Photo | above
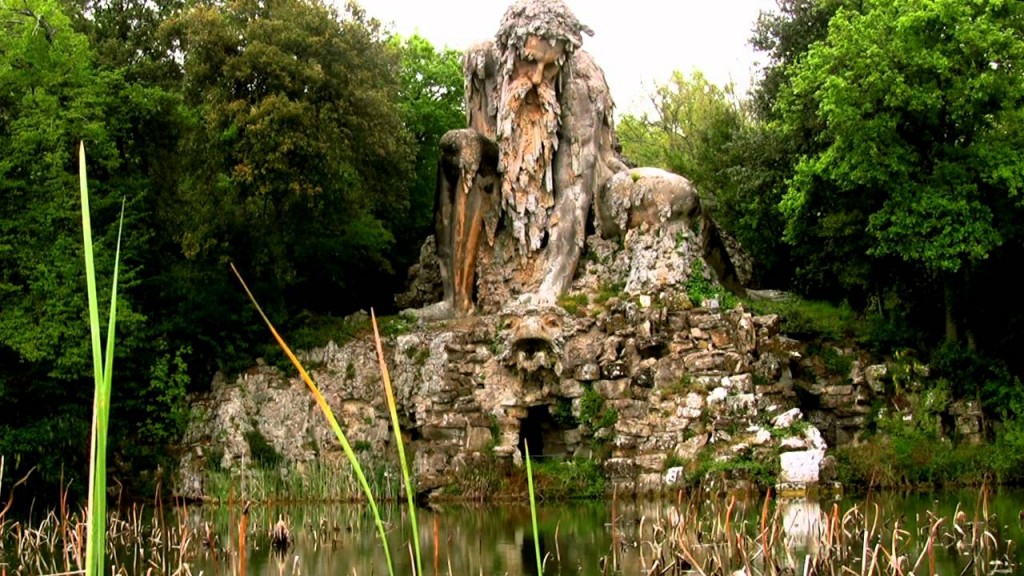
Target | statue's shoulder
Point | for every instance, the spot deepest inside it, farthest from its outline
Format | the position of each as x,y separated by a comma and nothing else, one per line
588,78
480,60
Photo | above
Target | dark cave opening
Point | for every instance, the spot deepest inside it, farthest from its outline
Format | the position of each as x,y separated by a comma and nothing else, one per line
545,436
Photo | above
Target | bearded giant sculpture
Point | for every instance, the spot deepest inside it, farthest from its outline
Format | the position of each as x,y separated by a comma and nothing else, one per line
516,188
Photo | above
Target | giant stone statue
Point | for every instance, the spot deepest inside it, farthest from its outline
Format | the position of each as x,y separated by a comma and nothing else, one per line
517,187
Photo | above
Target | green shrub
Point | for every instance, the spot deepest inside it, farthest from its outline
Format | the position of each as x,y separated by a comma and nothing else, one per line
760,470
608,291
836,363
572,479
911,451
561,413
593,413
698,287
1006,458
811,319
574,303
974,376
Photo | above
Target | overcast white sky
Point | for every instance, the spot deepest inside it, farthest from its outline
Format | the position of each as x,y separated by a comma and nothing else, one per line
638,43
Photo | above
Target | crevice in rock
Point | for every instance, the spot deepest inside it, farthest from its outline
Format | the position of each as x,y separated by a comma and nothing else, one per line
545,435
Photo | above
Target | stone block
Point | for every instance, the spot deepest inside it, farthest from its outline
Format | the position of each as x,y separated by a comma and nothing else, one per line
801,466
674,476
620,468
615,370
743,383
875,376
587,372
651,462
742,404
786,419
690,447
612,388
478,439
572,389
703,361
721,338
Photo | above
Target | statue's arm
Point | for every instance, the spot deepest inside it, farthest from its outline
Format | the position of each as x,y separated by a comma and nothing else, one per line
583,162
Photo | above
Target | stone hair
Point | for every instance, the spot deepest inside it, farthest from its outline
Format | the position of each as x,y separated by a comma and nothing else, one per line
551,20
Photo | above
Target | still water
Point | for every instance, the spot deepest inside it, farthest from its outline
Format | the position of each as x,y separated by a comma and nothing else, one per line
579,538
956,533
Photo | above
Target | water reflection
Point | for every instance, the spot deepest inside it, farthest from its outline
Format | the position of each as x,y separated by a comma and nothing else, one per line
951,533
579,538
802,525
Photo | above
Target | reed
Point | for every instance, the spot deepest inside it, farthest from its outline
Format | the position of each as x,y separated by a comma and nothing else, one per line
103,367
329,415
533,508
396,429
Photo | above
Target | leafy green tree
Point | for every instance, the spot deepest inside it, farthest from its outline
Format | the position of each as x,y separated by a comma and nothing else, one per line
432,103
52,97
299,164
694,122
919,106
785,35
701,130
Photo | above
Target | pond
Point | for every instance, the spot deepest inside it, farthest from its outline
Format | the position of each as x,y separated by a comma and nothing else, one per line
944,533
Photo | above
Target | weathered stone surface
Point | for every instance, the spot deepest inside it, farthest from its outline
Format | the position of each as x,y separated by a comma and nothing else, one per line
801,466
787,418
463,395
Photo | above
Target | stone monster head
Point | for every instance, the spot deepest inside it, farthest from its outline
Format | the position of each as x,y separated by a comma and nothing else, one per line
535,43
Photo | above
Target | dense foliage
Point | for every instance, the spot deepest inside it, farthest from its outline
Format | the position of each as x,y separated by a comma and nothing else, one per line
289,137
877,164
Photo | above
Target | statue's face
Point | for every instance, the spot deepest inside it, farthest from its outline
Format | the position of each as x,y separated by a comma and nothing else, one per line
538,60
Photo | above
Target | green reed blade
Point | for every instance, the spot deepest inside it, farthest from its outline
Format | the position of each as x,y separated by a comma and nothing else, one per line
103,376
393,409
533,508
329,414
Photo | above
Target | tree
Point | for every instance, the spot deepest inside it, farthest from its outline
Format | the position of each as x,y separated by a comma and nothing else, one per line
701,131
53,97
432,103
694,121
785,36
919,105
299,163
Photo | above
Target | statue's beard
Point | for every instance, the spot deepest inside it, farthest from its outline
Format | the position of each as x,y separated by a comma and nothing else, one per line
527,140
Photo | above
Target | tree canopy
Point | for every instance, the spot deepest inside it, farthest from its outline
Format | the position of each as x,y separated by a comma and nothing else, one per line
289,137
918,105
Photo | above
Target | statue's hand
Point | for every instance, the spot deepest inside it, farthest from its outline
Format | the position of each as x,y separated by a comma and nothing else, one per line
541,299
437,311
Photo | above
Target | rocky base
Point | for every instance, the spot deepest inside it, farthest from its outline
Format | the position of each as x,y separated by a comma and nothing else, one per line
627,369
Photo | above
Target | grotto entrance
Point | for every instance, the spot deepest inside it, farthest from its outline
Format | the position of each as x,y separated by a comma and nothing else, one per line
545,435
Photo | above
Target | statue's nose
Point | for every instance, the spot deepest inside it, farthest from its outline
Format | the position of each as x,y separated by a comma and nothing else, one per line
537,75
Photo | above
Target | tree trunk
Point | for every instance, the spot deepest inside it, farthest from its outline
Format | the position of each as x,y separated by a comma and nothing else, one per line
949,298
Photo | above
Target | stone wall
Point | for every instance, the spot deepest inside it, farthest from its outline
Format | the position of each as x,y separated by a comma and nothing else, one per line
639,367
638,384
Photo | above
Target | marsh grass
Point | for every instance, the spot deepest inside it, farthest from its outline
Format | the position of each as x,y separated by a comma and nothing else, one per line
321,480
329,415
697,533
